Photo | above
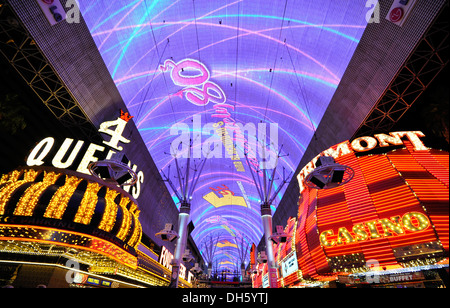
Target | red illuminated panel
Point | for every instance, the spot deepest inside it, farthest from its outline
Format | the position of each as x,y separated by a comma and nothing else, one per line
392,197
362,209
311,229
395,206
286,248
422,182
442,158
305,261
428,186
393,211
291,231
289,280
332,213
357,195
428,162
332,208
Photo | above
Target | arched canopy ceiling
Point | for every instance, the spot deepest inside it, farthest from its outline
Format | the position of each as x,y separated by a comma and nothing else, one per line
186,69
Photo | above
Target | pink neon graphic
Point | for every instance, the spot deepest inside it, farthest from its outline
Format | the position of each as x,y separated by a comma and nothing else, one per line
184,80
194,76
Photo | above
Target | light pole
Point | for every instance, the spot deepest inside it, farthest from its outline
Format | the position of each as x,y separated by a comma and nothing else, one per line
264,188
180,246
184,194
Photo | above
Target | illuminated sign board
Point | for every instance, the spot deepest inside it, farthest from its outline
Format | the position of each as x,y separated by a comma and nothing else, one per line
289,265
265,281
165,259
65,159
370,230
93,281
363,144
393,213
401,277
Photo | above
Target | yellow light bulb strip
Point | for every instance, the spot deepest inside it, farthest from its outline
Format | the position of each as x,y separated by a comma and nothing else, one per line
110,212
8,189
30,198
58,204
126,220
87,205
137,233
4,179
130,230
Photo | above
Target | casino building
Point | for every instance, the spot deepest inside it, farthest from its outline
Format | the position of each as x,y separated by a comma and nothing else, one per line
245,144
387,227
69,229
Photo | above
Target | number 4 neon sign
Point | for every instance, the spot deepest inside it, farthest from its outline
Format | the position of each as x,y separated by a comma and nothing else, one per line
116,135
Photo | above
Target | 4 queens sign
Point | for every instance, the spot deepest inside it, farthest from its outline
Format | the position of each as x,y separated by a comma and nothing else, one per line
197,88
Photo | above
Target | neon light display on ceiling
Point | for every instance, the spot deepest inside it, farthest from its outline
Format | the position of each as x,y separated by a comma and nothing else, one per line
232,78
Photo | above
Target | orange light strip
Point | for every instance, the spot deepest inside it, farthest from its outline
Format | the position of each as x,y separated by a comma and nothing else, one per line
431,192
6,192
362,208
427,161
305,261
97,245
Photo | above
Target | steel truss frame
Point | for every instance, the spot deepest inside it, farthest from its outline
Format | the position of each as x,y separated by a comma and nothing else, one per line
420,69
21,51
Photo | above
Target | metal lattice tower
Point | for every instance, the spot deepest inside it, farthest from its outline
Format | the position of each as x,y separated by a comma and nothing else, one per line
423,65
22,53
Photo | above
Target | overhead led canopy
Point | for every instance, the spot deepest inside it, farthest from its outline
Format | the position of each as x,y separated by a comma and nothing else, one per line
231,78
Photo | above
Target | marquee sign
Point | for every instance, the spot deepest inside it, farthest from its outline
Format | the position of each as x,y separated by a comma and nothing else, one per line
53,236
65,159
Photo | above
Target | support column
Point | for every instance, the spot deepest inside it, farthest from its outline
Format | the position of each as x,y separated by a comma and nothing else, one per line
266,215
183,220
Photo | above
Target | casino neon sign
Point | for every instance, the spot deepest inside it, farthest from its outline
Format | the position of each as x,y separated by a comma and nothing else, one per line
371,230
363,144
